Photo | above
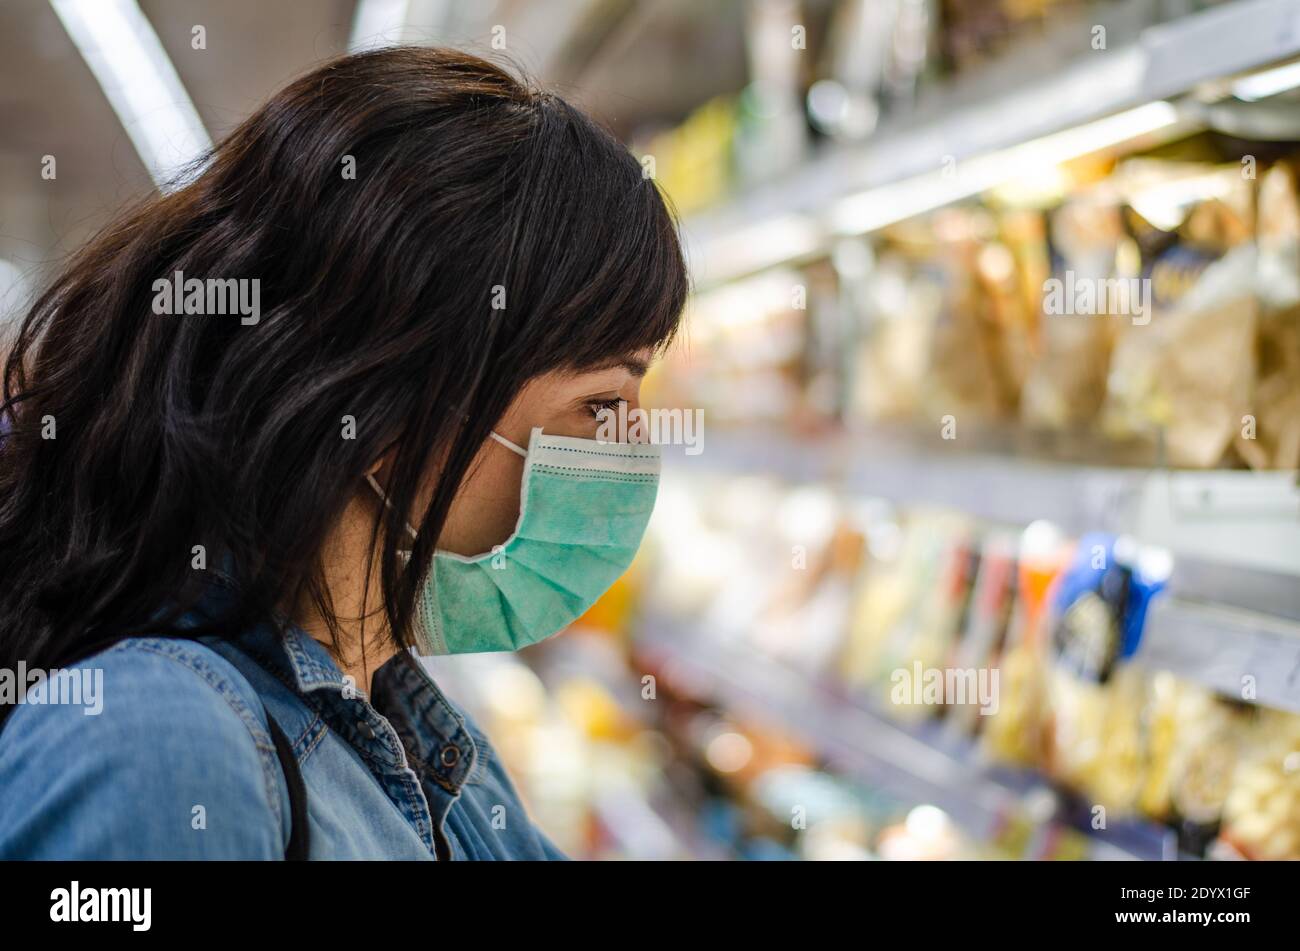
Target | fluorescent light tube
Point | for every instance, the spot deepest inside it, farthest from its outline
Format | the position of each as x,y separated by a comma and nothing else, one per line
139,81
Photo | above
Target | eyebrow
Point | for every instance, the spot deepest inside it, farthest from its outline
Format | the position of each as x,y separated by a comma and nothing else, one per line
632,365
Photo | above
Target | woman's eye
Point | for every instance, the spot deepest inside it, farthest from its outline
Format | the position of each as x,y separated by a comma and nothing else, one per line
599,406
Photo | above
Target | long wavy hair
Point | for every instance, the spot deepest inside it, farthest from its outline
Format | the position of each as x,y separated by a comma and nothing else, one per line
388,203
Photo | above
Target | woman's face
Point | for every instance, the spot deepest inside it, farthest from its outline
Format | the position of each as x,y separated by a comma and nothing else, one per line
486,508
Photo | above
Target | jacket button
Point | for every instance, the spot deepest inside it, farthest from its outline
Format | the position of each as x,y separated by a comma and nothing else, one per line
366,729
450,756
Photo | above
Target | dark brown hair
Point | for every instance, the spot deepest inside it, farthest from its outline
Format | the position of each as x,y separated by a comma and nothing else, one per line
376,295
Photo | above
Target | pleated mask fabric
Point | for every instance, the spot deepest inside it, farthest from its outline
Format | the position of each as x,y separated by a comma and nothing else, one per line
584,507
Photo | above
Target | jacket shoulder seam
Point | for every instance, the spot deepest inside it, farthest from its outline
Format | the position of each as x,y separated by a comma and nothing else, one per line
189,656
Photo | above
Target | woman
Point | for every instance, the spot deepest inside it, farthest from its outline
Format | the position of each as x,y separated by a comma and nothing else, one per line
333,401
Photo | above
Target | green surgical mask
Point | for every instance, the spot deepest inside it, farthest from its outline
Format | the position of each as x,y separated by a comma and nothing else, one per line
583,507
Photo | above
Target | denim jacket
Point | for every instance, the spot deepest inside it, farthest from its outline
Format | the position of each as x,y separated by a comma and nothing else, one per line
179,763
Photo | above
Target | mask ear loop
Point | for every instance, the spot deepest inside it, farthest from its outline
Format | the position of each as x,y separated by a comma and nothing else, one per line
380,492
508,444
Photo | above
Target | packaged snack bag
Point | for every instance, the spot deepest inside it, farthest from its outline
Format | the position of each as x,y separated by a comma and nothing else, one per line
1203,771
1261,814
970,374
987,619
897,316
1269,436
1067,383
1182,372
1097,701
1015,734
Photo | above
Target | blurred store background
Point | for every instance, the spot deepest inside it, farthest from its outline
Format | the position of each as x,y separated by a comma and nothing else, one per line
927,450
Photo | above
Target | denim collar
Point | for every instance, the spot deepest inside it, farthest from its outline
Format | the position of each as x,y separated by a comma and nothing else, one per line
308,659
301,661
434,734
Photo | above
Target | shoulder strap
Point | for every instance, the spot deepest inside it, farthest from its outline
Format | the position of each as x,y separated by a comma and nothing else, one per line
299,836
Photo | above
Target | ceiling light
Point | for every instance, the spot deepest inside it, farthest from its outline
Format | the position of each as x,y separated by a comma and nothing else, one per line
139,81
1268,83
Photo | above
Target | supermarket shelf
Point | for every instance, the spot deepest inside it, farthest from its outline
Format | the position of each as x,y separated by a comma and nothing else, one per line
988,486
999,488
1237,532
1233,604
920,764
1241,654
1021,98
1200,584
